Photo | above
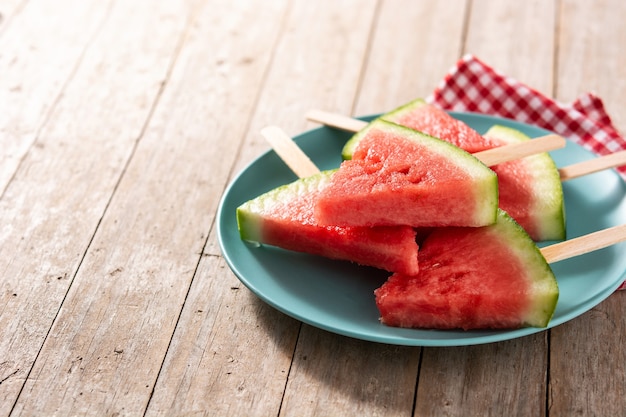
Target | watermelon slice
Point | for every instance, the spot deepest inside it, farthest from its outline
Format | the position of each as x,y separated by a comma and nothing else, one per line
423,117
399,176
491,277
530,188
284,217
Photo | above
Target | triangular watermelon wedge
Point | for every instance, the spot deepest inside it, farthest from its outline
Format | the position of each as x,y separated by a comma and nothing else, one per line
284,217
398,176
530,188
491,277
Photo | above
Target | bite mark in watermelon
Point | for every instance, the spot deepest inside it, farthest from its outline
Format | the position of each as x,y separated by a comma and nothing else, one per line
492,277
284,217
529,189
398,176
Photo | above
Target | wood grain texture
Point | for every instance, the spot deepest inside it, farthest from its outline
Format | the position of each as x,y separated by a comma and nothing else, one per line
231,352
453,380
307,74
335,375
222,360
31,83
587,360
587,374
82,152
413,45
592,54
516,38
141,257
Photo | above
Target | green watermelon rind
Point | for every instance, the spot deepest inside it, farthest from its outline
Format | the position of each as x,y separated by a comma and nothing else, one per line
396,114
392,116
547,183
544,290
250,214
351,144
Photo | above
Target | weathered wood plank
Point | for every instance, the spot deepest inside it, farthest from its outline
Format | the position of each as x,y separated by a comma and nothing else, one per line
587,361
40,52
501,379
506,378
52,207
336,375
517,38
587,373
211,364
414,45
307,73
133,282
304,73
231,353
592,54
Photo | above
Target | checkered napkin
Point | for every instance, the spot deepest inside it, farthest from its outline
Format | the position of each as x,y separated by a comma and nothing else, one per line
474,86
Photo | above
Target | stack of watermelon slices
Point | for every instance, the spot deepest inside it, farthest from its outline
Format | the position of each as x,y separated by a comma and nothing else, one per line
476,268
530,188
284,217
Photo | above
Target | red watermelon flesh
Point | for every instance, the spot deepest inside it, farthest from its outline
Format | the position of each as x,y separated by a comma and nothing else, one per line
492,277
530,188
429,119
284,217
398,176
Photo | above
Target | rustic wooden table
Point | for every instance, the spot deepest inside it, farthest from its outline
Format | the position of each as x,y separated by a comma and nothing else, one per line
122,122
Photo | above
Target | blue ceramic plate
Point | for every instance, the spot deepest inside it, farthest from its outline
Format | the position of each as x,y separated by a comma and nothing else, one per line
338,296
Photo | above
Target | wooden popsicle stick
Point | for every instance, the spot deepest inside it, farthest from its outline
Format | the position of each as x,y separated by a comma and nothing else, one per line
297,160
584,244
567,173
495,156
593,165
289,152
335,120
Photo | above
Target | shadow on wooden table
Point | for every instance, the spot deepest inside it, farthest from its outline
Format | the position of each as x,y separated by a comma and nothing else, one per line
334,371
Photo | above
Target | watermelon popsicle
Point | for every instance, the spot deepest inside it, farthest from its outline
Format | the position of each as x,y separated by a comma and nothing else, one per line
262,221
529,188
492,277
399,176
284,217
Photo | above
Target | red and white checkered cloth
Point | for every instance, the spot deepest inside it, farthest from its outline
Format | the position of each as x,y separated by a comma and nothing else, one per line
473,86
